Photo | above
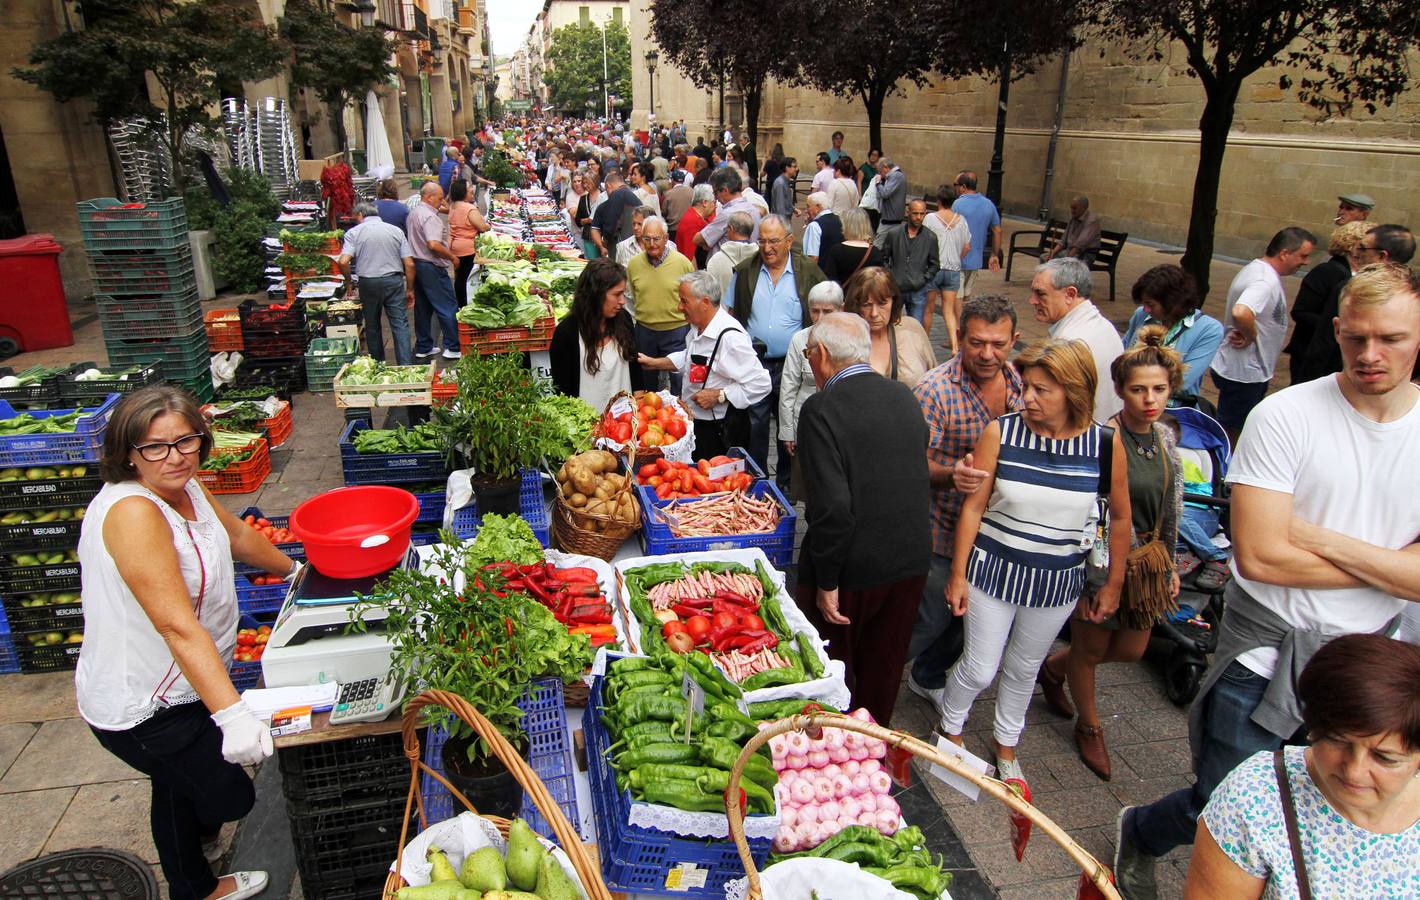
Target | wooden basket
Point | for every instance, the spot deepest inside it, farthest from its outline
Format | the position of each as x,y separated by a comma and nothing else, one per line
646,455
567,837
570,531
1095,872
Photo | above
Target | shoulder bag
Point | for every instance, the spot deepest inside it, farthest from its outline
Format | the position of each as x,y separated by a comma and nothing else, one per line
1294,835
734,424
1098,557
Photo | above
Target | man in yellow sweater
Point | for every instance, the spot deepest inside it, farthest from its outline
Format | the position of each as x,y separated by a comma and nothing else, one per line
654,278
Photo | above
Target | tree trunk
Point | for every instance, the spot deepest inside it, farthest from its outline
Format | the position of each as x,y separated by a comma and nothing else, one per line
337,122
1213,128
873,101
754,95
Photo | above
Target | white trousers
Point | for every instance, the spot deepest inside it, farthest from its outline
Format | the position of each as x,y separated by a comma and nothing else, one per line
997,629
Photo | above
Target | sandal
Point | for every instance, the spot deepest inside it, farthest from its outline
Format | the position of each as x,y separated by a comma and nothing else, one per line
1213,577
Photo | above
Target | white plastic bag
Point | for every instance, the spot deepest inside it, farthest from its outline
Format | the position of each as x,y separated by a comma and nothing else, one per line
812,878
870,197
460,836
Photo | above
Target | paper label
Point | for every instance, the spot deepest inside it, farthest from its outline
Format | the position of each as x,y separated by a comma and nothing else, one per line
733,467
691,690
541,362
686,877
969,789
622,405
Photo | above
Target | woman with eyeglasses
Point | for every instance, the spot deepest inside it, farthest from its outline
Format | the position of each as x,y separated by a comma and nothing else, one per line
160,623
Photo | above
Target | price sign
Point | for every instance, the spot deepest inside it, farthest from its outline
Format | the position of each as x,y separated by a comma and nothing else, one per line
622,405
733,467
694,696
967,788
541,362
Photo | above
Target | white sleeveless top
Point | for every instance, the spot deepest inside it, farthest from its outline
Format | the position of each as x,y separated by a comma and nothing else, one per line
126,671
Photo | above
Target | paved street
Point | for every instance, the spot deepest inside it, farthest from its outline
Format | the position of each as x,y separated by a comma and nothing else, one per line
61,790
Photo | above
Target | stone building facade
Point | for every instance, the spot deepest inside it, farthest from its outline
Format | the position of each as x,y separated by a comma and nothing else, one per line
1128,140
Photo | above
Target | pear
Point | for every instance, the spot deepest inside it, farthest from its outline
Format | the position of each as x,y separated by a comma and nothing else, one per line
552,881
484,870
443,869
524,856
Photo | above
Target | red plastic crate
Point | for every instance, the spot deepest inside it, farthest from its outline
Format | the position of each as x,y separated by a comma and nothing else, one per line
484,341
242,478
443,391
224,330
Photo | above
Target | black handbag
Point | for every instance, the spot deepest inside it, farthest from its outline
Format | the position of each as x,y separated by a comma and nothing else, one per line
733,426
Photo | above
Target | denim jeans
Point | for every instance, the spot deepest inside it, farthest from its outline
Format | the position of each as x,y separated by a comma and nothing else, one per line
1195,533
434,297
662,343
937,635
386,293
759,415
1229,737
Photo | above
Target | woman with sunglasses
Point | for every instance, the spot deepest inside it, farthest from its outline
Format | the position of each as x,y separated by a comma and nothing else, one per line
160,624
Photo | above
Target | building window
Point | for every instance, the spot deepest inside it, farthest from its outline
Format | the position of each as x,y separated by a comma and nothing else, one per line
584,15
616,15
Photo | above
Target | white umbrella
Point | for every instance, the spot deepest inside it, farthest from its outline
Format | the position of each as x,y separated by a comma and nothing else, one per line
379,161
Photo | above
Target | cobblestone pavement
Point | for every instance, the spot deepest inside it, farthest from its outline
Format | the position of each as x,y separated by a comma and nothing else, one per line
61,790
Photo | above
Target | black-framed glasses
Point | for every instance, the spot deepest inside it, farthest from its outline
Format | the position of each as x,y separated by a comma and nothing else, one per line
809,351
160,450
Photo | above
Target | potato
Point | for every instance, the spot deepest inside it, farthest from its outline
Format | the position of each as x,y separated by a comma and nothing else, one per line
604,490
568,488
562,474
617,482
606,460
595,506
577,501
584,480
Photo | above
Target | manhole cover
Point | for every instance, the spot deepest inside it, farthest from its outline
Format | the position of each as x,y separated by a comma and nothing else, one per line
93,874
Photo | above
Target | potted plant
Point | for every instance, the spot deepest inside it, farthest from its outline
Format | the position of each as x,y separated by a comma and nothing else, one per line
465,634
494,424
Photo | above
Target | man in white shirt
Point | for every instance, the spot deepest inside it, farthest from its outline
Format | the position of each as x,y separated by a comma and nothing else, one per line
1255,326
1060,295
1324,529
824,176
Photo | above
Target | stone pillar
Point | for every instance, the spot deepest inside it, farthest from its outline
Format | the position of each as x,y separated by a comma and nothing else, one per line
441,98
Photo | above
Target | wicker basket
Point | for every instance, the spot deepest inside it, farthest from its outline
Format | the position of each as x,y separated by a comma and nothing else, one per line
587,871
646,455
1095,877
571,529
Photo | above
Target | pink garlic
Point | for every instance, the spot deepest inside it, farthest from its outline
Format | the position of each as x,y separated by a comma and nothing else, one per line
795,761
802,791
850,807
818,759
839,754
862,784
828,812
798,743
851,767
808,814
823,789
887,822
833,737
868,819
788,817
869,766
889,803
842,786
862,714
784,842
879,783
867,801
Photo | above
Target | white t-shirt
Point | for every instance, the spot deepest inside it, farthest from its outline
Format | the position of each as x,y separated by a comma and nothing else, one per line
950,240
1086,323
613,374
1344,472
1259,288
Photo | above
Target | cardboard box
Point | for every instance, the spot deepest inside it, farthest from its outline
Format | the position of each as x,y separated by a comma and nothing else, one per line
310,169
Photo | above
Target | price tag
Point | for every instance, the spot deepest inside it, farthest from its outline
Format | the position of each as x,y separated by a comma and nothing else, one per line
541,363
686,877
969,789
622,405
734,467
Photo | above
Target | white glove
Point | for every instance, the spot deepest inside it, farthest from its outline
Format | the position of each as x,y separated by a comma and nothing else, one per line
246,740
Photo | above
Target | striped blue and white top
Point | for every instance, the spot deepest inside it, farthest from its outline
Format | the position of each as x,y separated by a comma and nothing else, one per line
1029,549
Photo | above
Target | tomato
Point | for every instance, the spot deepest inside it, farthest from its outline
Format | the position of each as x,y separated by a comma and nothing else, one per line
723,620
676,428
720,460
653,481
621,432
680,642
697,627
651,438
664,465
249,519
664,489
751,622
702,484
265,629
652,399
263,522
647,470
674,626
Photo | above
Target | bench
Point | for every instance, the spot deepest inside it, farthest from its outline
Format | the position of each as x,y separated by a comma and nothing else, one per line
1106,259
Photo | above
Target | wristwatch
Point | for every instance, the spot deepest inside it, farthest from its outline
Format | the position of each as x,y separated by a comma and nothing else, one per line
722,396
295,567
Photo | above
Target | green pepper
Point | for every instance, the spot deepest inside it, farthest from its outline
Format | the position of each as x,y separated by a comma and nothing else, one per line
735,731
926,882
627,664
770,710
643,729
657,753
722,753
639,678
711,678
651,706
724,712
877,853
813,666
853,834
772,678
685,795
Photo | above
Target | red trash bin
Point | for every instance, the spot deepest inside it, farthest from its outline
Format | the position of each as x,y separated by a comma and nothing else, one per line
34,315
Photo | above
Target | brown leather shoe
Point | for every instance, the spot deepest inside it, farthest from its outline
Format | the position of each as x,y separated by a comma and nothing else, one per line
1053,688
1094,754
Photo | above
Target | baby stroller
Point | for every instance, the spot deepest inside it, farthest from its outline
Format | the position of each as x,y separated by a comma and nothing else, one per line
1192,632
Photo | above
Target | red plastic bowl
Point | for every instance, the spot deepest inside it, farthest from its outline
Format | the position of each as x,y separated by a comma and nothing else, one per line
355,532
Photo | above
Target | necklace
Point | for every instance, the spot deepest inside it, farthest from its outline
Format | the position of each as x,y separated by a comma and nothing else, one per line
1148,451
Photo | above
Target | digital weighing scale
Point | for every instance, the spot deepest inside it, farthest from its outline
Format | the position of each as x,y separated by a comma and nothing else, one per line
309,643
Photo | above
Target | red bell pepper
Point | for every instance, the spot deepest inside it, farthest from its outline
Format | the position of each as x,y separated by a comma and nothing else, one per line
1020,825
582,589
591,614
752,642
575,574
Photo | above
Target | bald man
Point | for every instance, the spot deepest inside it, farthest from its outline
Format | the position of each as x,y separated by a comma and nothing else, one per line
1082,234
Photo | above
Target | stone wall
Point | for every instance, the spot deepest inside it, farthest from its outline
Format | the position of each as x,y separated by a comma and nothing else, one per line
1128,140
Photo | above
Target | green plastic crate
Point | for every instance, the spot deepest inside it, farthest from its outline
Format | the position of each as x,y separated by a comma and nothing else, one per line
321,368
184,357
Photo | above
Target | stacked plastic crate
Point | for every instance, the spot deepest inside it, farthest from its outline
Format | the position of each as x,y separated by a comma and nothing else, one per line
46,482
146,288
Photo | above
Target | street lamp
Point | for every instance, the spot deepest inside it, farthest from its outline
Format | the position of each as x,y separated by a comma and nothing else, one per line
366,10
652,57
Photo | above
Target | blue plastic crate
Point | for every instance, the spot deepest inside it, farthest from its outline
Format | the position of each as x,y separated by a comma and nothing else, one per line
431,507
549,754
638,860
9,660
778,545
259,599
531,506
387,468
290,548
83,445
245,674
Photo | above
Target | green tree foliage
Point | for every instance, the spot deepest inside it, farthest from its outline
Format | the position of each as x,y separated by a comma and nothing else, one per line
189,48
1335,54
704,40
340,64
574,64
240,227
